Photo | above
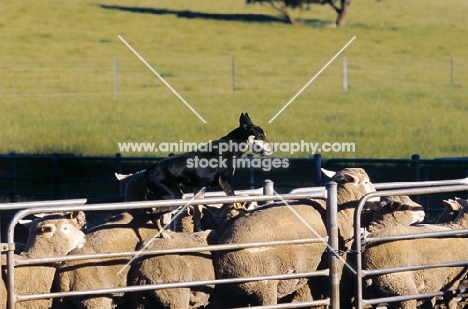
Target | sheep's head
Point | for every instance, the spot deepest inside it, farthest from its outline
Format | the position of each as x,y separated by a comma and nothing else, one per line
462,218
55,235
399,210
451,211
353,183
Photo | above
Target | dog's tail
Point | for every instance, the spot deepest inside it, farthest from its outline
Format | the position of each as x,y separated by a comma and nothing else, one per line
125,178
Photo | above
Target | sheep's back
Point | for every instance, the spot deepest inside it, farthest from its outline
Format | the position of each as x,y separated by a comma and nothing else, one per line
271,224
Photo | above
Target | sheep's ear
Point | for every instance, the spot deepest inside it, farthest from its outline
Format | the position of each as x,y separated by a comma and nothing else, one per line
395,205
462,202
453,205
79,217
351,178
328,173
48,229
26,223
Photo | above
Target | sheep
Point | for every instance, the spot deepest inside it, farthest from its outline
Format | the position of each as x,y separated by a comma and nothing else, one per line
121,234
396,211
175,268
413,252
451,211
49,236
279,223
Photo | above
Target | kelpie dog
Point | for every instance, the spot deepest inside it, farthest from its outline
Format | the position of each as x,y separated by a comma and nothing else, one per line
207,166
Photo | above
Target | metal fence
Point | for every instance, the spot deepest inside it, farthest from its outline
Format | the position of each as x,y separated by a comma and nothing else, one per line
332,229
124,76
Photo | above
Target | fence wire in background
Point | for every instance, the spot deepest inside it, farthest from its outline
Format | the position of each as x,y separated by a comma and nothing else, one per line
125,77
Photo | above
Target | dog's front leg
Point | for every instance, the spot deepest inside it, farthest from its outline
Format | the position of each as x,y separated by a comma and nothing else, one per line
227,188
197,211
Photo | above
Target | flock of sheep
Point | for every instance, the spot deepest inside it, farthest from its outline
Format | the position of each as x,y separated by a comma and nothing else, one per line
57,235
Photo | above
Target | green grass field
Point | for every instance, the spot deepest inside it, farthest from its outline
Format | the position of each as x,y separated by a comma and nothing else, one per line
57,84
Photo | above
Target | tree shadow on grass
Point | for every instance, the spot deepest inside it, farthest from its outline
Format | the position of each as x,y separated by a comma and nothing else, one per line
193,15
314,23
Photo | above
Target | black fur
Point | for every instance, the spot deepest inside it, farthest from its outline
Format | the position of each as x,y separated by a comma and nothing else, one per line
162,179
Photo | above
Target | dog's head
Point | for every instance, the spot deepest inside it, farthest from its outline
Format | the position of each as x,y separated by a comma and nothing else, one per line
256,136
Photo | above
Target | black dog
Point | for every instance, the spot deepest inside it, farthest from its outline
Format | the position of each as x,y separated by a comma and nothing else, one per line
164,177
207,167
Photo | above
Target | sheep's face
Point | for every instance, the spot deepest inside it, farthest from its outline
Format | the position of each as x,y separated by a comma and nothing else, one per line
451,211
353,183
402,209
56,234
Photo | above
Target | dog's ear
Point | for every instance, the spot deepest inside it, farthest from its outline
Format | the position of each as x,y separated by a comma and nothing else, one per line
245,121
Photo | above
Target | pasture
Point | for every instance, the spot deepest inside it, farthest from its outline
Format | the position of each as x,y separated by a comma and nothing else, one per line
57,83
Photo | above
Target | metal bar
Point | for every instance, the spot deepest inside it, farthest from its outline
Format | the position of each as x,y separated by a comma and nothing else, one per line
321,302
438,234
332,229
382,271
170,285
357,223
166,203
413,296
392,185
212,248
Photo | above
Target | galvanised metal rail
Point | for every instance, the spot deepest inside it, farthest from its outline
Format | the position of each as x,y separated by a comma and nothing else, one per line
12,262
332,302
444,186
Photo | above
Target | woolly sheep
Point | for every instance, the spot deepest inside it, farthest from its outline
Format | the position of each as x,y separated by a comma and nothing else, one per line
451,211
396,211
175,268
123,233
50,236
417,252
280,223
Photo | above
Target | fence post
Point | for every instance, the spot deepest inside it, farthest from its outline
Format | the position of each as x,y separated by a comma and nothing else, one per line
451,72
116,79
332,230
118,168
13,177
56,172
268,188
233,75
415,158
318,170
345,74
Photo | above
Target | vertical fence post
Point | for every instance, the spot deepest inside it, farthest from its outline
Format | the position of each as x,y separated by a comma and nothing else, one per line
118,167
56,175
268,188
416,165
233,75
116,79
451,72
13,177
345,74
332,229
318,170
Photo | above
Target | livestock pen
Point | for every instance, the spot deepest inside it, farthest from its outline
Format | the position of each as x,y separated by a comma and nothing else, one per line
259,195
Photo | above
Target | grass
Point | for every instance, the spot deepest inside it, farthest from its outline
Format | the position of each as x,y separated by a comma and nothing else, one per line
56,79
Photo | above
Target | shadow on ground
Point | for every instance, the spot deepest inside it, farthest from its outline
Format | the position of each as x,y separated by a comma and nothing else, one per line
211,16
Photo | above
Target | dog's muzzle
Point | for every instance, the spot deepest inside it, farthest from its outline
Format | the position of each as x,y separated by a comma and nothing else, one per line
262,147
